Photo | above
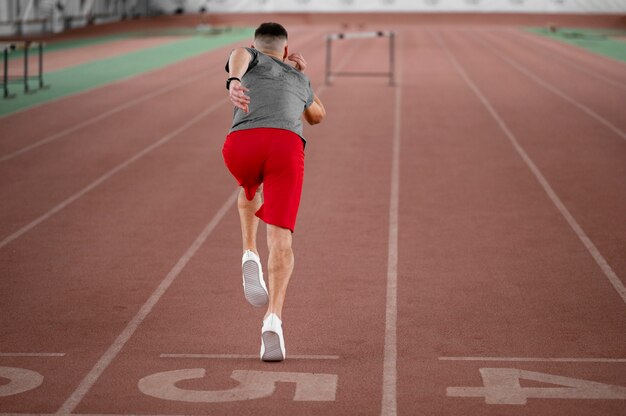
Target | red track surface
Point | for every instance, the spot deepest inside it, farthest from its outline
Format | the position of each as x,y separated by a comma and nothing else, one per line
439,234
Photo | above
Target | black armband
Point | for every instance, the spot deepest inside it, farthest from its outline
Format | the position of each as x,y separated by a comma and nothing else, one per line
229,80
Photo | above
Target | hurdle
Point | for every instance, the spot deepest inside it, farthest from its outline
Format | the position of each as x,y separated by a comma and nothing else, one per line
361,35
25,46
6,49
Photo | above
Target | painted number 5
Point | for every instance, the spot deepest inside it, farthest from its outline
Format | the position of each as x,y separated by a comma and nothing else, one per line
502,386
252,385
20,380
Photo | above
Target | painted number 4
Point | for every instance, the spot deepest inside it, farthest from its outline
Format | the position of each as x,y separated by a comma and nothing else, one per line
502,386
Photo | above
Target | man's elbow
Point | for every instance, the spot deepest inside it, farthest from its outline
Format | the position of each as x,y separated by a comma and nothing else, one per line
316,119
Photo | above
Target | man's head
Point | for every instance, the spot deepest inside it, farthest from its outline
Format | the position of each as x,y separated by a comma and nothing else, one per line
271,37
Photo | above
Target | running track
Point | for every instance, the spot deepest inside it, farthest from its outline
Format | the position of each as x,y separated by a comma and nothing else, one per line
460,233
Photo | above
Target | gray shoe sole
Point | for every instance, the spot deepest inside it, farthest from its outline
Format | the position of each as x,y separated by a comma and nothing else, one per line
253,291
272,352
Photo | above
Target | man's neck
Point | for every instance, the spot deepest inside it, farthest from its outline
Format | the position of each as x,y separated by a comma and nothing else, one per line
273,54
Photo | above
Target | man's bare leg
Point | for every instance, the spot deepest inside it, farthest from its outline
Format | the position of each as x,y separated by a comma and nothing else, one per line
280,266
249,221
254,287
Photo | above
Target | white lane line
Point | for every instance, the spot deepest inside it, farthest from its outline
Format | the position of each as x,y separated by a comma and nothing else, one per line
110,354
389,400
248,356
566,59
110,173
537,359
545,84
32,354
591,248
101,117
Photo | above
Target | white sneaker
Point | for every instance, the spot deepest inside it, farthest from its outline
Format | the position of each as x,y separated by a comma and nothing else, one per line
272,341
254,287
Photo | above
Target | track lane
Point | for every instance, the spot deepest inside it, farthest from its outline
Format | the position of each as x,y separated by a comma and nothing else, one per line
557,57
606,66
104,253
74,283
32,189
487,265
581,159
207,314
436,170
600,98
95,119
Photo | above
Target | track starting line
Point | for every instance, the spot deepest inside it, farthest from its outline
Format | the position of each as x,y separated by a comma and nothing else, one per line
501,386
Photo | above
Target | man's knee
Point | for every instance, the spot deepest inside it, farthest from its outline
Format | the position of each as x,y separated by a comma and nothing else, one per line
242,200
279,239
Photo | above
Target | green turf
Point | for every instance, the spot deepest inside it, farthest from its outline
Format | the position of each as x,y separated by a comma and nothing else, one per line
82,77
601,41
96,40
74,43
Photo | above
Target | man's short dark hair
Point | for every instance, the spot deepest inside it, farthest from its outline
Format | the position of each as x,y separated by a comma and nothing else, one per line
270,29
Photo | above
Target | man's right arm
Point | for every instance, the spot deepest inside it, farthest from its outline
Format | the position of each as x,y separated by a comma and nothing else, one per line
314,114
238,63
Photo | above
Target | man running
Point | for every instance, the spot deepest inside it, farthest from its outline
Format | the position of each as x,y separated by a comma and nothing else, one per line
264,151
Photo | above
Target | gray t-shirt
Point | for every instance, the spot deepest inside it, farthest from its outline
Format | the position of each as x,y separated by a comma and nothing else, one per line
279,94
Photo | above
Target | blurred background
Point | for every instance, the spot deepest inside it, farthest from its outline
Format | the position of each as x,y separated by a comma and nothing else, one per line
21,17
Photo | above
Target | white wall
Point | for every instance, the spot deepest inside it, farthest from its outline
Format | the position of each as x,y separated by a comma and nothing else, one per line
39,9
25,10
526,6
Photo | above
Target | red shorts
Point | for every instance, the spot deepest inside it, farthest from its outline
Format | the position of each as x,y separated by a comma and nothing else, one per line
274,158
